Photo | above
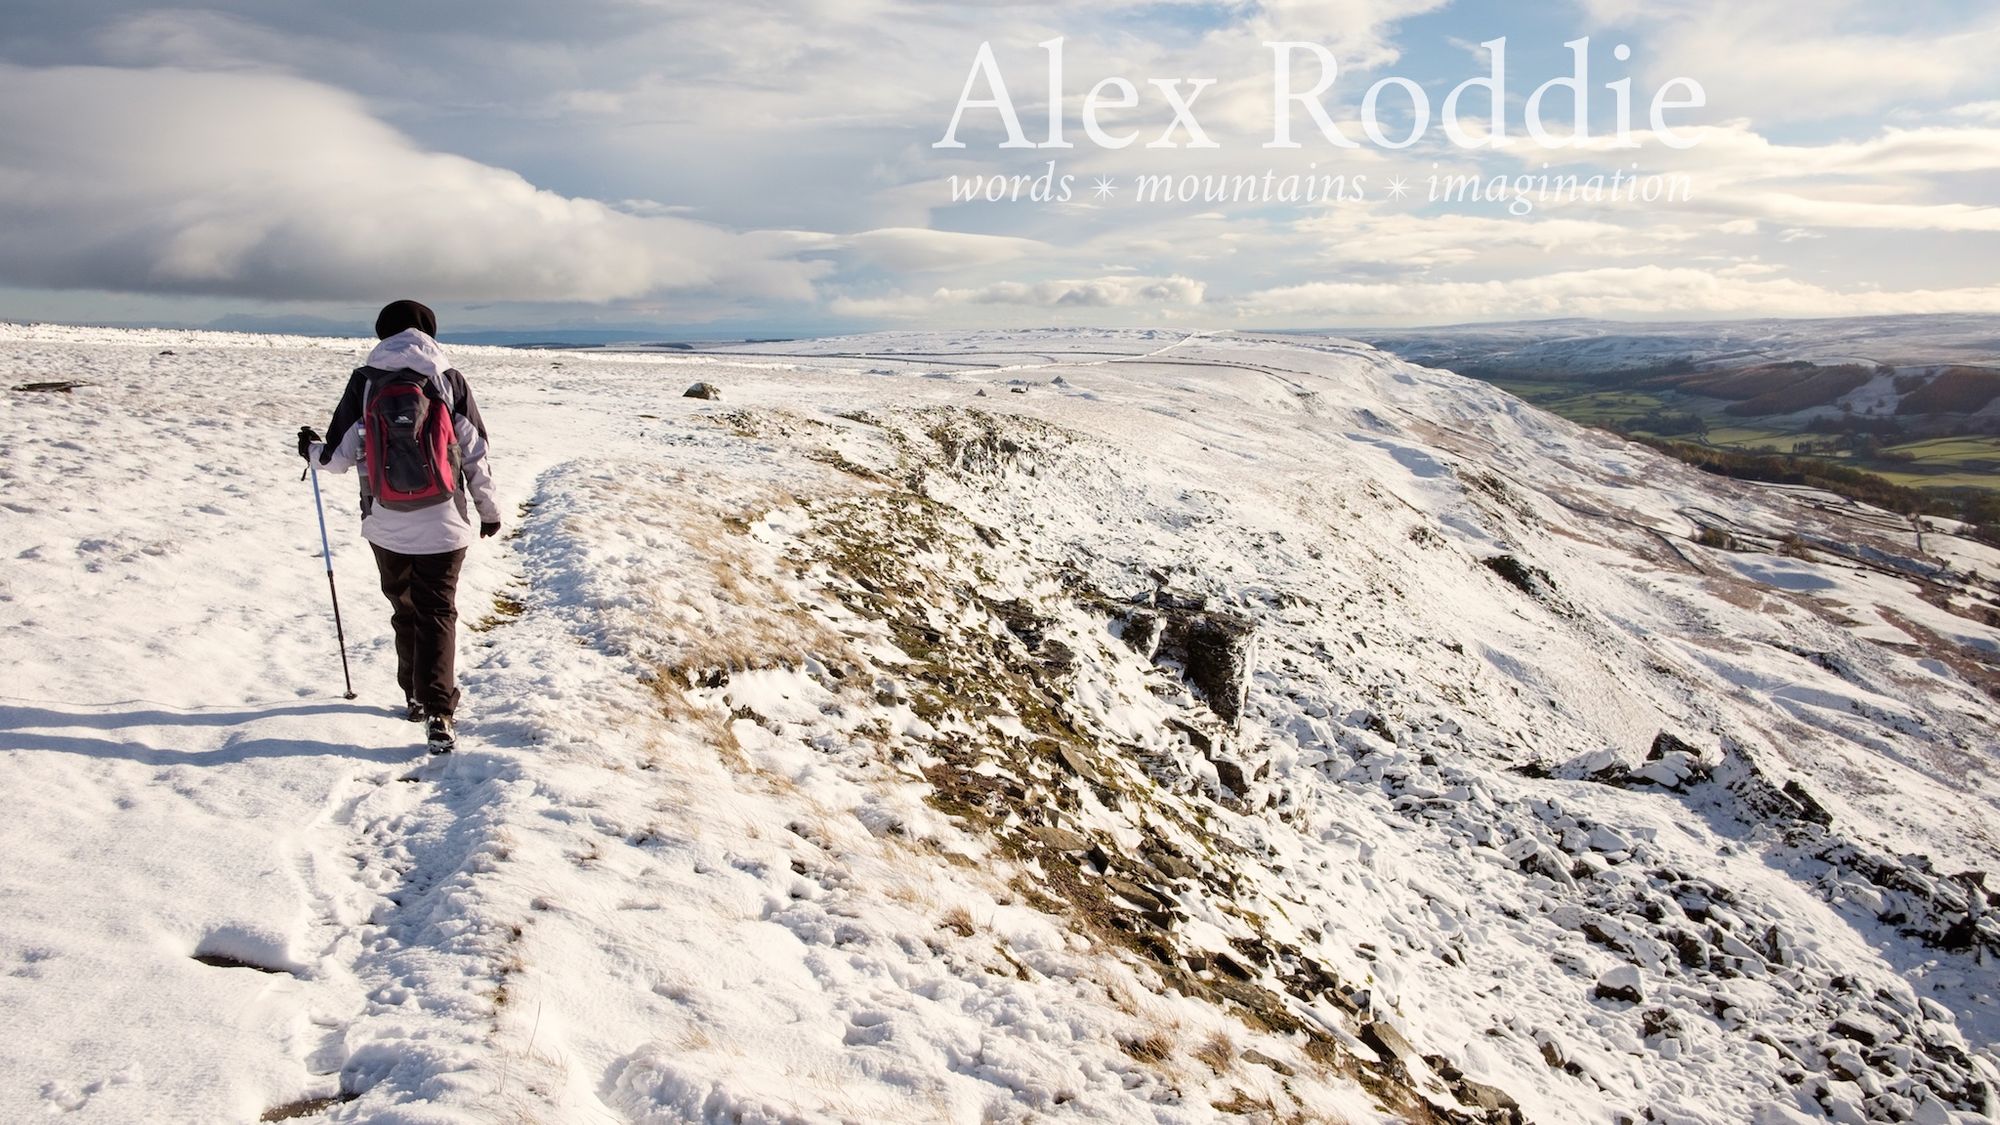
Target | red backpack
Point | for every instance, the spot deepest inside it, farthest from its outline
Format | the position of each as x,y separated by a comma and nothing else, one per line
410,447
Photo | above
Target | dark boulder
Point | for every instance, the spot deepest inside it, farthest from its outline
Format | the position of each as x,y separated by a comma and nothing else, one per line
1212,648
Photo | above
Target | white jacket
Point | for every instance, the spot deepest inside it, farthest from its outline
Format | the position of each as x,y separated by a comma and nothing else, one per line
440,528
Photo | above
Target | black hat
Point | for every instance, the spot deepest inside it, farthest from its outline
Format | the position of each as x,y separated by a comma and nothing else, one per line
401,316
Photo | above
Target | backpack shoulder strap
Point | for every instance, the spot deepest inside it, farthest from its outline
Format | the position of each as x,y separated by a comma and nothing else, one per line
353,403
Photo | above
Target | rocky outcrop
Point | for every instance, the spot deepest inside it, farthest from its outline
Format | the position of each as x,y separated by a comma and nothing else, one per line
1951,913
1525,577
1213,649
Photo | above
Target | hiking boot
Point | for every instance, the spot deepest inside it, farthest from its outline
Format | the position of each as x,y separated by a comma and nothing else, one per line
442,734
413,711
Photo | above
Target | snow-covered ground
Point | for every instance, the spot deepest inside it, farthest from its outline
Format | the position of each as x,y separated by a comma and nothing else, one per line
1220,727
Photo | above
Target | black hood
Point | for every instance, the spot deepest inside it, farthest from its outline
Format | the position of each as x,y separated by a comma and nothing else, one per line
401,316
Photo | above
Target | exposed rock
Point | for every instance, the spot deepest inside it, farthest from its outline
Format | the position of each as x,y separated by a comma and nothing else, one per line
1172,866
1529,579
1133,893
1021,620
1670,764
1689,948
1664,744
1076,764
1383,1036
1140,629
1213,648
1604,839
1060,839
1846,1066
1754,788
1196,737
1621,983
1809,808
703,390
1259,1058
1225,963
1492,1099
1863,1028
976,443
1231,775
1606,933
1673,764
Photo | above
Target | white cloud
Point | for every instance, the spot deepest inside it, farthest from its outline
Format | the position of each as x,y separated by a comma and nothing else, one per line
1828,211
1349,234
248,171
1113,292
1742,152
264,185
1988,112
916,249
1355,30
1887,181
1804,61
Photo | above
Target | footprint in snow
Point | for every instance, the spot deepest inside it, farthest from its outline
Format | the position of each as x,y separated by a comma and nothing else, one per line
68,1097
868,1028
31,961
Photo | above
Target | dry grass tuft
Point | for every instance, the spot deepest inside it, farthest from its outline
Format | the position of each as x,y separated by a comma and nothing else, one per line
1218,1051
959,921
1153,1047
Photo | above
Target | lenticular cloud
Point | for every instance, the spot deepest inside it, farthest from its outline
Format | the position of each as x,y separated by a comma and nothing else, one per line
258,184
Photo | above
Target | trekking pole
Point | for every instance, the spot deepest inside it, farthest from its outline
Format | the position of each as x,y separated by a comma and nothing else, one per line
326,551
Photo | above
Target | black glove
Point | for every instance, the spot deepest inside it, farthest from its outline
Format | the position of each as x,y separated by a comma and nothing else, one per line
307,435
489,529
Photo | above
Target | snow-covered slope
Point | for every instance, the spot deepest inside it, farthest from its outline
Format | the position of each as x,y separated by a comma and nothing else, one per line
1218,727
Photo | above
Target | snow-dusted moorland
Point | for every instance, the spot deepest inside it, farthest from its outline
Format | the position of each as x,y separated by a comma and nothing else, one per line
1221,727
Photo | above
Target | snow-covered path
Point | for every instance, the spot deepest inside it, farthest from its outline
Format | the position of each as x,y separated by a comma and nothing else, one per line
756,816
162,559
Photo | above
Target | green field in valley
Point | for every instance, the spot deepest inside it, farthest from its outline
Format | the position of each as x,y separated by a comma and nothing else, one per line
1955,449
1954,462
1932,463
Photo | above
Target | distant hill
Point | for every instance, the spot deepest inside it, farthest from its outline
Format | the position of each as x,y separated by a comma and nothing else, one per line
1553,346
1915,400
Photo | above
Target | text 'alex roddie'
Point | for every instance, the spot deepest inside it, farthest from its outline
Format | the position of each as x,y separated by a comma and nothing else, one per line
1301,75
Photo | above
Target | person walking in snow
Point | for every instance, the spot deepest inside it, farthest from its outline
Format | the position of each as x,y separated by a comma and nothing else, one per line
408,422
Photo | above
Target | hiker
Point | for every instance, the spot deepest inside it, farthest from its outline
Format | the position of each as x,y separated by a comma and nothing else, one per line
408,422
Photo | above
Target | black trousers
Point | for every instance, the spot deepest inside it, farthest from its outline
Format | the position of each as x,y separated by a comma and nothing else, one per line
423,599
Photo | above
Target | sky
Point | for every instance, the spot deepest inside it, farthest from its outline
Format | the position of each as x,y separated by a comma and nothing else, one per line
759,167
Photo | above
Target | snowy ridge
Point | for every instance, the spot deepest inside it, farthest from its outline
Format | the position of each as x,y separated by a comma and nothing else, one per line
1219,727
